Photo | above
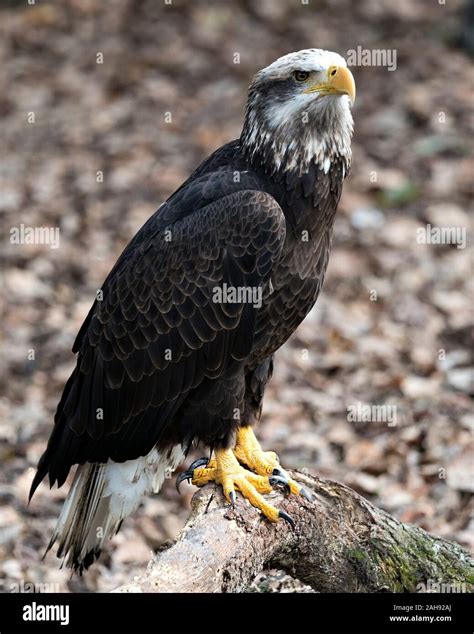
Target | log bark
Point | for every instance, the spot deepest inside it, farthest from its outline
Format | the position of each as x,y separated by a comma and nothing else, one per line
341,543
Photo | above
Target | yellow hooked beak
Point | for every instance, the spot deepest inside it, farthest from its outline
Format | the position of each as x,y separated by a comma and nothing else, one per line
339,82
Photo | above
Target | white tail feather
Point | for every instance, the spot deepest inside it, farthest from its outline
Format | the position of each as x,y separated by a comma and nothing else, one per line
101,496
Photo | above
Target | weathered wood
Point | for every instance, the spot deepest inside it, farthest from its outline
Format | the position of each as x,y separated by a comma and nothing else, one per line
341,543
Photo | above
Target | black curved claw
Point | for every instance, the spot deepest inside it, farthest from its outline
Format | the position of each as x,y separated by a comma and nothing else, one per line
277,480
233,498
287,518
189,473
200,462
186,475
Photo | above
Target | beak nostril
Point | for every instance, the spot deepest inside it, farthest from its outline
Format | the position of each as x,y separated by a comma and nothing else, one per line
333,72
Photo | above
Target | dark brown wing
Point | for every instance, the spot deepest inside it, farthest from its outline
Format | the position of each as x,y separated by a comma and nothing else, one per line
157,333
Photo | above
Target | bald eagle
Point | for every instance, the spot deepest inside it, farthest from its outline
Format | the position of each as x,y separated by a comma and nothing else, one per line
179,348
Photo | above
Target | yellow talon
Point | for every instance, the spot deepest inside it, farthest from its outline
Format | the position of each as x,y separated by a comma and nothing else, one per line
203,475
262,472
249,452
231,476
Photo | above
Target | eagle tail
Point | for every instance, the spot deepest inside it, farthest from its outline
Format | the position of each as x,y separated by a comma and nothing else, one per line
101,496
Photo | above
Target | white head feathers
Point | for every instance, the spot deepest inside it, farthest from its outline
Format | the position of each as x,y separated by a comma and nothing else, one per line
293,119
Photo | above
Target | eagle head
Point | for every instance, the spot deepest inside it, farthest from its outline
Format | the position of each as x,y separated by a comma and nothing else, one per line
299,112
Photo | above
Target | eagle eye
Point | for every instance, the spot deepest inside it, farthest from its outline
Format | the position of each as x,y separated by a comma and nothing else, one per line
301,75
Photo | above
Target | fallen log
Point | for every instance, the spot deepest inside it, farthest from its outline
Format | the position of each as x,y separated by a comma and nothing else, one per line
341,543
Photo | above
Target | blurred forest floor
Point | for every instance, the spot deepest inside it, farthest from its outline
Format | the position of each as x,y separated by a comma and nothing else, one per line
406,345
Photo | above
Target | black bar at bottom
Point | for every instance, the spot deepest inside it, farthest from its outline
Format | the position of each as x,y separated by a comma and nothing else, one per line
242,613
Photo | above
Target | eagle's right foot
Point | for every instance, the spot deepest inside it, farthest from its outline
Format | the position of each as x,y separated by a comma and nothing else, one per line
224,469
